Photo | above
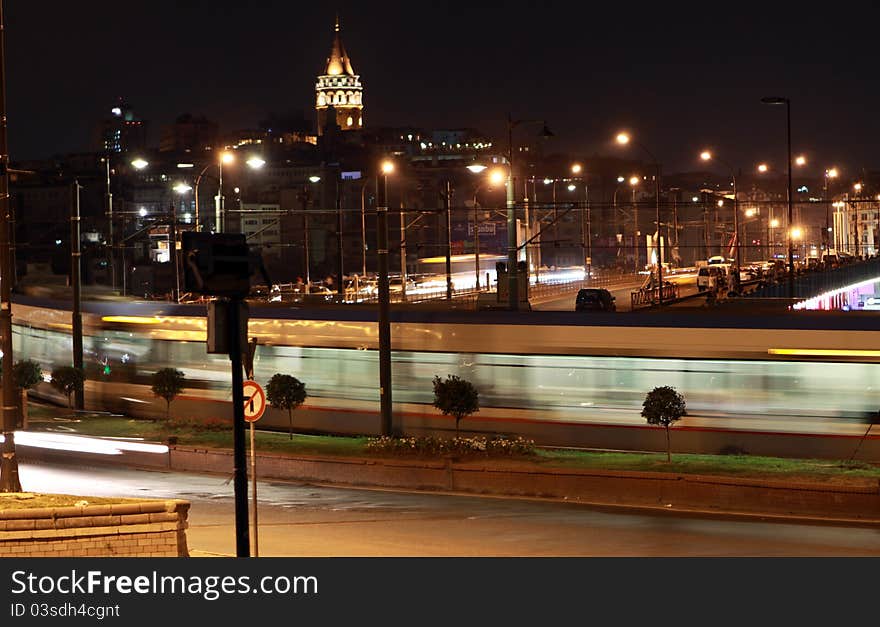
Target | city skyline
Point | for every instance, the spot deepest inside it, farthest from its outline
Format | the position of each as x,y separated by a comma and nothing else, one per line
674,78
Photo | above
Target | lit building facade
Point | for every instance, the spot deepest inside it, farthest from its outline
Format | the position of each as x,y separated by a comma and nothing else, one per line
339,90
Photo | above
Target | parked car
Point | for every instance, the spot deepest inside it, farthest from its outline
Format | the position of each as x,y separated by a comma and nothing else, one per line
709,278
594,299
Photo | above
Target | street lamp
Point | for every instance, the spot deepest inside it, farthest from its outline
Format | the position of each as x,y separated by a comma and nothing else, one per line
779,100
386,168
512,243
633,181
830,173
624,139
707,155
497,176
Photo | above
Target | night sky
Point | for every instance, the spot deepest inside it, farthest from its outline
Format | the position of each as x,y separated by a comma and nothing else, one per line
681,77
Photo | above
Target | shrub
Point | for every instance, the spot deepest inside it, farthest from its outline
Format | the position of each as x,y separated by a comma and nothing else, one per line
167,383
456,397
663,406
67,380
431,447
286,392
27,374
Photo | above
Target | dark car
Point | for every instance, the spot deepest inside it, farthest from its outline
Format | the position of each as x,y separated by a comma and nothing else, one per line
594,299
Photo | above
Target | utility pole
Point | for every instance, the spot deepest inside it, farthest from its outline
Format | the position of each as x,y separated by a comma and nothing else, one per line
384,297
76,283
340,286
9,481
447,196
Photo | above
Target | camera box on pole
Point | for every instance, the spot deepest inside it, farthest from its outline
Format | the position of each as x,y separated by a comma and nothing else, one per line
218,327
216,264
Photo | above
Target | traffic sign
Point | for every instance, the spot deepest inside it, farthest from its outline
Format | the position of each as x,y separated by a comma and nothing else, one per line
254,401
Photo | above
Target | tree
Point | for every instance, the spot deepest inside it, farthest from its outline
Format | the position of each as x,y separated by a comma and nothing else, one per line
26,374
286,392
67,379
872,419
456,397
663,406
167,384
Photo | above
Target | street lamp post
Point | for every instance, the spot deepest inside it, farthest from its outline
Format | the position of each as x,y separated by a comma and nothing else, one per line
76,283
384,297
708,156
226,157
777,100
512,243
623,139
830,173
447,199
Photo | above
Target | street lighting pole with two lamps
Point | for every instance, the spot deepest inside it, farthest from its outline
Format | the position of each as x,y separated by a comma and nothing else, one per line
707,155
512,239
778,100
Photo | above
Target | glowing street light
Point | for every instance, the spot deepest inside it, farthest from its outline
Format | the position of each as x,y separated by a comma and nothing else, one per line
763,167
255,162
314,179
622,139
497,176
477,168
576,168
800,160
634,180
139,163
182,188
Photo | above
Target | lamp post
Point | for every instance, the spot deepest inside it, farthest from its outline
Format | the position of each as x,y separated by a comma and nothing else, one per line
447,200
385,399
306,245
706,155
830,173
512,243
624,139
76,283
633,181
586,237
778,100
227,158
9,481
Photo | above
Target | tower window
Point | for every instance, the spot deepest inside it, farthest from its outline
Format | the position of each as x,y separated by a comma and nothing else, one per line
350,121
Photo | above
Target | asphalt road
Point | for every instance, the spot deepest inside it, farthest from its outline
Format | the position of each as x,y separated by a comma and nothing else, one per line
309,520
621,292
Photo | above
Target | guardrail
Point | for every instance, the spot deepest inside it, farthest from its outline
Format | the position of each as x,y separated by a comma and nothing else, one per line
646,297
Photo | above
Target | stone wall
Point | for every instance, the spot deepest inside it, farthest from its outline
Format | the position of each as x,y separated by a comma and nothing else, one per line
145,529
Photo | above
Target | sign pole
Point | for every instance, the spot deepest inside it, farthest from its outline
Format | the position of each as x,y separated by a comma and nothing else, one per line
254,477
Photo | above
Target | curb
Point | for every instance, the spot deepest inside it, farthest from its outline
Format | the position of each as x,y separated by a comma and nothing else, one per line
694,495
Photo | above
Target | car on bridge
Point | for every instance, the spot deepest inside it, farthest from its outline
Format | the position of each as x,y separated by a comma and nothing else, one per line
594,299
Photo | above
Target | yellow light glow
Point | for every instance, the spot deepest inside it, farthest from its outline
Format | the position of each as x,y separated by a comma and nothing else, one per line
140,164
797,232
705,155
182,188
720,203
800,160
857,187
832,173
763,167
823,352
622,139
227,157
634,180
750,213
131,319
497,176
256,162
387,167
576,168
774,223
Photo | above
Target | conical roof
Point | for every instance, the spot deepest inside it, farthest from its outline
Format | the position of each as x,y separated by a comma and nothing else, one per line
338,61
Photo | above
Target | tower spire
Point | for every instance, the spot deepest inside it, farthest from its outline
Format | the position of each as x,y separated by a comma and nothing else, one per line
336,27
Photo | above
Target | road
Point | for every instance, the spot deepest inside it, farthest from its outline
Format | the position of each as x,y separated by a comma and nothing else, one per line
309,520
687,283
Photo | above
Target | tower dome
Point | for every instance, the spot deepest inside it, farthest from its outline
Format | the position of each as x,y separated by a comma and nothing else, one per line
339,89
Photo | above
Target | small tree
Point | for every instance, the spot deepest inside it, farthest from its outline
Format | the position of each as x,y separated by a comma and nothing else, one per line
67,379
456,397
27,373
663,406
872,419
286,392
167,384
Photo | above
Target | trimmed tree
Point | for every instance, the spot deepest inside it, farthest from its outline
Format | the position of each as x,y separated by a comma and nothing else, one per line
872,419
664,406
167,384
286,392
456,397
67,379
26,374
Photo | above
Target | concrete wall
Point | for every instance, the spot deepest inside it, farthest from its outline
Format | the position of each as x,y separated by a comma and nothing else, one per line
146,529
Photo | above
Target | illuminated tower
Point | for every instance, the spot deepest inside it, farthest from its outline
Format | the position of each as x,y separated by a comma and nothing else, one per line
339,88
